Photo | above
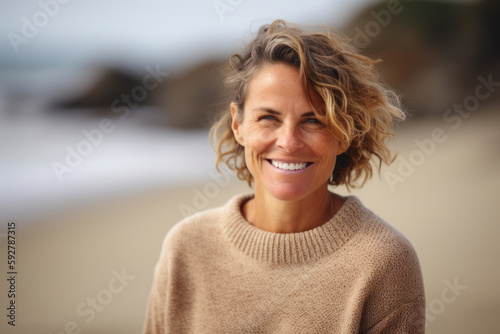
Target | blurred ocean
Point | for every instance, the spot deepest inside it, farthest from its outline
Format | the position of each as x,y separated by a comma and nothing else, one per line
130,158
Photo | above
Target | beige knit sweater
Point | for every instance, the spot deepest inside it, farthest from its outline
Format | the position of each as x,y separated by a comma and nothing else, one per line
217,273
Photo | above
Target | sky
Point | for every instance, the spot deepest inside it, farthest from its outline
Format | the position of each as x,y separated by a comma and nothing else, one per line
45,32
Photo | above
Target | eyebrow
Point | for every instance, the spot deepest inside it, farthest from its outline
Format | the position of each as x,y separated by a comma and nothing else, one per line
274,112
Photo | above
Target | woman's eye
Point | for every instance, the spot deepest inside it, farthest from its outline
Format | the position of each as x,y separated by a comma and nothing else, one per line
312,121
268,117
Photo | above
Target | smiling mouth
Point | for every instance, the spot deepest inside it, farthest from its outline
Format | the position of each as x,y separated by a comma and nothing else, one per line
289,165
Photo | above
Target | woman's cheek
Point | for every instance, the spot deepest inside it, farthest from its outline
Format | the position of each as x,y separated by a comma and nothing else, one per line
257,135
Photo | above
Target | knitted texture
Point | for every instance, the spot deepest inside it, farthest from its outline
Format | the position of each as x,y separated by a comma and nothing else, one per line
218,273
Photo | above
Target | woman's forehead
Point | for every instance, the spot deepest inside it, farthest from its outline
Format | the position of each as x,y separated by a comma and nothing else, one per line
280,84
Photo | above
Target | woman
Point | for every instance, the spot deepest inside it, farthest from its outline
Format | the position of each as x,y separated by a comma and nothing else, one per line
293,257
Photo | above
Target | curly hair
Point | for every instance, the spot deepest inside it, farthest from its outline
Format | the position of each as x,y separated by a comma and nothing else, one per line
358,110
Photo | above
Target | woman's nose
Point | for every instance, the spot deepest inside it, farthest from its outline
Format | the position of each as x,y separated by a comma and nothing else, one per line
289,138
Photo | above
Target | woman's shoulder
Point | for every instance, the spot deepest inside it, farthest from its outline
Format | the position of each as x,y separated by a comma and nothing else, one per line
379,241
202,225
388,264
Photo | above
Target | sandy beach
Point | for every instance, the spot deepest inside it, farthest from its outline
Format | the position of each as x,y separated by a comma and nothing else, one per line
90,267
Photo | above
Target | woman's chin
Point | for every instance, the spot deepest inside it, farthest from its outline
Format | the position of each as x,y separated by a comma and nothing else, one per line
288,192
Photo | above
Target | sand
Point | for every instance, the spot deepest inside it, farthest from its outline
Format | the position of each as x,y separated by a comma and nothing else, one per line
104,252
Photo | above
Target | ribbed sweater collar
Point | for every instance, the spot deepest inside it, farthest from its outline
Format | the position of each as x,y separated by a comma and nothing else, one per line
287,248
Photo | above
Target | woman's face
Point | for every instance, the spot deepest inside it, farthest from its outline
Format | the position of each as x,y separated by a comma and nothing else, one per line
290,154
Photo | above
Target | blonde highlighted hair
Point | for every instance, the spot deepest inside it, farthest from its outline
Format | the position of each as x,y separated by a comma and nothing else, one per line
358,109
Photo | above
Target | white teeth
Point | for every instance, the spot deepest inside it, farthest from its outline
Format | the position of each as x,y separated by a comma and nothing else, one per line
289,166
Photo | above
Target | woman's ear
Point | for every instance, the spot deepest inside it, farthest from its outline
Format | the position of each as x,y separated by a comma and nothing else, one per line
342,148
235,125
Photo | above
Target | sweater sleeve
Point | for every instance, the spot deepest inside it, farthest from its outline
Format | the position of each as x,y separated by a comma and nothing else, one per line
408,318
155,321
397,299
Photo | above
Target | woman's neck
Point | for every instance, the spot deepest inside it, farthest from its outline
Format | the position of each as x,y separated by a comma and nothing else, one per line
273,215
